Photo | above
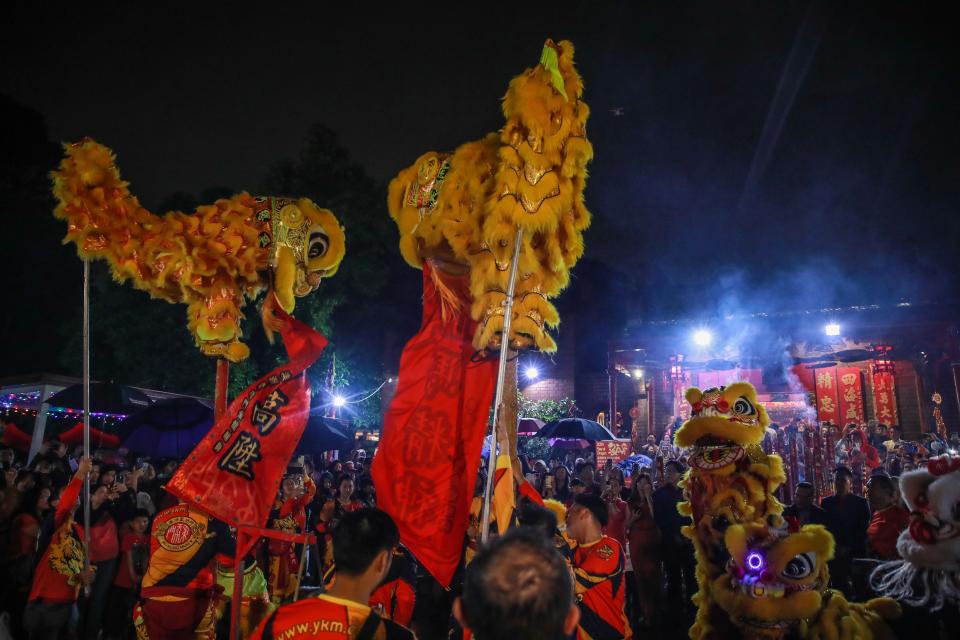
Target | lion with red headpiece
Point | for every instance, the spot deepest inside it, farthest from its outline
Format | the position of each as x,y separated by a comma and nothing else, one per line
928,575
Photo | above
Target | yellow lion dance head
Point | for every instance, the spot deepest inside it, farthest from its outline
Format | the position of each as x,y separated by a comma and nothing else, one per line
776,582
723,423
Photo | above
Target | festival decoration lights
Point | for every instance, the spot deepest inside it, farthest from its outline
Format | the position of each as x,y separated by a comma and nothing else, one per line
881,358
754,561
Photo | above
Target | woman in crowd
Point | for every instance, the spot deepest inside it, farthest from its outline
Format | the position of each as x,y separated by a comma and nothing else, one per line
20,552
561,485
643,540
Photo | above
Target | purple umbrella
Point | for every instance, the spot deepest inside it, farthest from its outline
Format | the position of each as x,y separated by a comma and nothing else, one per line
529,426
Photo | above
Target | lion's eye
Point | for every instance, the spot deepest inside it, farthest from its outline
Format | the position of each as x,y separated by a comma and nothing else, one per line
744,407
800,566
319,242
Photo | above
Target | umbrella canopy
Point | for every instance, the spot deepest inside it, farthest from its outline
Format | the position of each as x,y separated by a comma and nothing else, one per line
105,397
12,436
168,428
99,439
638,458
529,426
577,428
324,434
564,444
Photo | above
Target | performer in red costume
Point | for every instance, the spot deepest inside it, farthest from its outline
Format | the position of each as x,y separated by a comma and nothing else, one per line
178,589
289,515
598,567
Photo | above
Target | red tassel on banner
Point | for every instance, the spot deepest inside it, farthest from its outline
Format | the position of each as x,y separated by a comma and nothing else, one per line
807,440
830,442
235,471
792,470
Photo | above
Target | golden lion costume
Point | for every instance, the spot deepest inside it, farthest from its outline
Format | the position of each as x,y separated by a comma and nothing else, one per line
460,211
731,480
756,579
211,260
776,585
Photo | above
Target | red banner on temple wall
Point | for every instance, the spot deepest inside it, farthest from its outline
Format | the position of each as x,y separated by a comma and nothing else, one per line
235,471
828,404
885,399
851,395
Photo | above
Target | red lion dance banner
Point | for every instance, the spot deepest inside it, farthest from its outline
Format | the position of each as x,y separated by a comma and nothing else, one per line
851,395
429,453
828,405
235,471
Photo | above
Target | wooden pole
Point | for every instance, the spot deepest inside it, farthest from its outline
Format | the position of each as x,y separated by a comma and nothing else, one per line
511,407
220,388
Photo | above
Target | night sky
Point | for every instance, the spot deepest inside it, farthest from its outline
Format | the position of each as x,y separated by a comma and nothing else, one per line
748,154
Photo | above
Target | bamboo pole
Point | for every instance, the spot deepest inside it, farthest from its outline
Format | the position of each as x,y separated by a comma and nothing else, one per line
501,381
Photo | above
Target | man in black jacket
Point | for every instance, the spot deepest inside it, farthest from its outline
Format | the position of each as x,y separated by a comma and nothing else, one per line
679,563
848,517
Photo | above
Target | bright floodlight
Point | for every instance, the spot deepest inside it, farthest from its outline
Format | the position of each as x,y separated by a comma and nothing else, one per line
532,373
832,329
339,401
638,373
702,338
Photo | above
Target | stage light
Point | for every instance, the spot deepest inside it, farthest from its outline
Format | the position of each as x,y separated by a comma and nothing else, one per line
832,329
702,338
638,373
339,401
754,561
532,373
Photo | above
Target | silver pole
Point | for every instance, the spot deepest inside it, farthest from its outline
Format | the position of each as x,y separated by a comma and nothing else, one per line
86,410
501,375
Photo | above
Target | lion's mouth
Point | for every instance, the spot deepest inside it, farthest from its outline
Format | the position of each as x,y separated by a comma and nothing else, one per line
711,452
710,440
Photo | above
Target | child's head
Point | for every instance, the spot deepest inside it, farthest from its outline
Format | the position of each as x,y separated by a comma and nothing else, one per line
140,522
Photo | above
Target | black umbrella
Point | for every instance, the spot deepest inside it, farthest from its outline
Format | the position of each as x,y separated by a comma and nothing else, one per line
575,428
105,397
324,434
168,428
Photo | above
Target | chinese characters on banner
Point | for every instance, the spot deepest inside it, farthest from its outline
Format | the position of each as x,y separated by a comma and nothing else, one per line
828,402
426,466
612,450
235,471
851,396
884,398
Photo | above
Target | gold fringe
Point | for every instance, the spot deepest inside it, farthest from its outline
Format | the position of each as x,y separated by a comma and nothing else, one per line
449,301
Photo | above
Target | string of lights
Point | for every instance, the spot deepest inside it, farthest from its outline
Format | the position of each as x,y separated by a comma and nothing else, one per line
339,400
